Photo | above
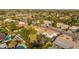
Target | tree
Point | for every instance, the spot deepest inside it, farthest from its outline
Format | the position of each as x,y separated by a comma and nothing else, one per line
32,30
44,41
54,23
29,21
41,21
24,34
11,26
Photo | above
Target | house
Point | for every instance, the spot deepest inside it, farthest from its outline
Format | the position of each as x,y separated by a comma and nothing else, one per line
21,24
62,26
52,35
74,28
64,41
46,34
12,44
21,46
47,23
35,22
2,36
3,46
8,20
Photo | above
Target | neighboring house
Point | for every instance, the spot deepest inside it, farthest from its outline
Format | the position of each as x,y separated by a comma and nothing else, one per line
62,26
74,28
21,24
21,46
2,36
3,46
8,38
35,22
47,23
8,20
64,41
50,35
46,34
